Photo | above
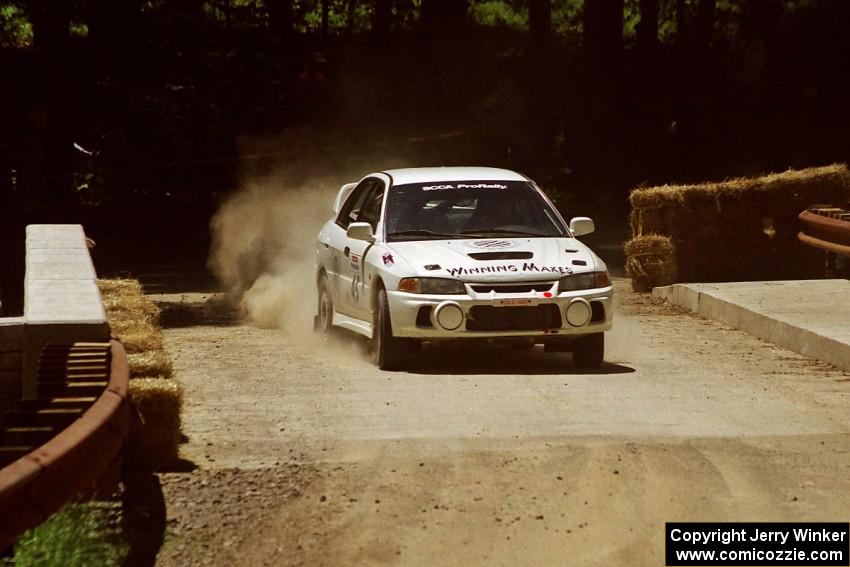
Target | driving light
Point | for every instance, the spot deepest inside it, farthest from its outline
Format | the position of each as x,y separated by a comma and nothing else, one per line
590,280
578,312
448,315
431,286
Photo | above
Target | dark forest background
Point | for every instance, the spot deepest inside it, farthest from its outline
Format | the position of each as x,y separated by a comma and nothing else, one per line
136,117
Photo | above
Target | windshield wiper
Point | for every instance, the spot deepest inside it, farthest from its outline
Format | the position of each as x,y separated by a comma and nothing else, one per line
501,231
421,232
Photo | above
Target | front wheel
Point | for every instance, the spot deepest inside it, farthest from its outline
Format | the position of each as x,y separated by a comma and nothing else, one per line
324,319
589,351
390,352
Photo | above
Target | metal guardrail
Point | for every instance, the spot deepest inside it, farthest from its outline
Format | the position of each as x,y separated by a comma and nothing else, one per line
827,228
74,463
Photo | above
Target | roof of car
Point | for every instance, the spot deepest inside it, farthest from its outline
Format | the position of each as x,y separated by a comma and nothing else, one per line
432,174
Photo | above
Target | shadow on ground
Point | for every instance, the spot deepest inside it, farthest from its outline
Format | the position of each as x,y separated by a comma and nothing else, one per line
197,310
439,359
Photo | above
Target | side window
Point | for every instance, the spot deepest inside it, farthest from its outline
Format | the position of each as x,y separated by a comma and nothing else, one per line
350,210
371,210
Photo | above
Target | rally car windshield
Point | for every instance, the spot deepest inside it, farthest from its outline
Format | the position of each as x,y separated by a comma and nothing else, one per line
469,209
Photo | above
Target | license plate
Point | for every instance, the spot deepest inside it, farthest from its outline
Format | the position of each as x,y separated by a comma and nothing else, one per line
513,302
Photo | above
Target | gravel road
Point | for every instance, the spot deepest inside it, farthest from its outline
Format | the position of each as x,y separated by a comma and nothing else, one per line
308,455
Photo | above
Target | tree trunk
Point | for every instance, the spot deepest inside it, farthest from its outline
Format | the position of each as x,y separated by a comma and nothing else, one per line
603,30
443,17
51,22
280,18
540,24
382,12
115,33
704,24
647,30
681,20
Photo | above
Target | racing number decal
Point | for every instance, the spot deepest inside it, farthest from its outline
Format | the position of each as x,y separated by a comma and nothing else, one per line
355,290
355,278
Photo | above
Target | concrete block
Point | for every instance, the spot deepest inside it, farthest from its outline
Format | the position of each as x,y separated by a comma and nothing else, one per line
59,264
55,236
11,360
11,333
63,301
10,384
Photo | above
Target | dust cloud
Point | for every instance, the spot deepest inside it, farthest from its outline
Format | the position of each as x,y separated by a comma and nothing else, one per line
264,248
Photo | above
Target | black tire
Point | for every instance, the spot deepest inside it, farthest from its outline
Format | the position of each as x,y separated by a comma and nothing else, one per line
589,351
390,352
325,309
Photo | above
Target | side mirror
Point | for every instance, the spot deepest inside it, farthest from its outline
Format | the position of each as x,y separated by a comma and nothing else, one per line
360,231
581,226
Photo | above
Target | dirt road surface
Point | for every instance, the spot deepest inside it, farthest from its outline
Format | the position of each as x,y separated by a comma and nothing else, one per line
309,455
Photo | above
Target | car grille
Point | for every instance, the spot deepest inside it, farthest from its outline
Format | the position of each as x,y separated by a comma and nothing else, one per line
538,317
512,288
500,255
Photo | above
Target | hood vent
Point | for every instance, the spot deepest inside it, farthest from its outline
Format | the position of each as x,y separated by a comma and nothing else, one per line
501,255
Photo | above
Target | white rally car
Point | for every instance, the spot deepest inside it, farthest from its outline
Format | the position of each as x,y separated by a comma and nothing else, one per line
459,253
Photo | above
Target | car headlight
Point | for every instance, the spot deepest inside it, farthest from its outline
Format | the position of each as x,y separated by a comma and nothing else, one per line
433,286
590,280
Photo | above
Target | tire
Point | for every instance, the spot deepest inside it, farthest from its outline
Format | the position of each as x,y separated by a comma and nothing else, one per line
325,309
589,351
390,352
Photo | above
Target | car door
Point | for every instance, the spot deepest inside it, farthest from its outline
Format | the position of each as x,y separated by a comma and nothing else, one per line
361,286
347,254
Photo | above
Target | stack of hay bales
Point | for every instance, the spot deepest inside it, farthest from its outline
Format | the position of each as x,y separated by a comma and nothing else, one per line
154,394
737,230
651,261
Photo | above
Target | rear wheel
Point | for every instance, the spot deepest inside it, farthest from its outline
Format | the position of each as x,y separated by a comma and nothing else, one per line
589,351
390,352
324,321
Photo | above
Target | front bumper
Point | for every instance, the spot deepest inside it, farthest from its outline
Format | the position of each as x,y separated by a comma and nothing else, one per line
504,315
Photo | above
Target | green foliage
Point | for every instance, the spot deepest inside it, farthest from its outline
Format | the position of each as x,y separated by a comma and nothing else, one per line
567,18
78,535
79,29
498,13
15,27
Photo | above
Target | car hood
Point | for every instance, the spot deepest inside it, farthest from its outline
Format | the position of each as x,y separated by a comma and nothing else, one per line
497,259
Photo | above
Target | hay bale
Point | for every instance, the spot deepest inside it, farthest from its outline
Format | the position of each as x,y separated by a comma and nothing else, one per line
120,286
139,337
739,229
150,363
654,209
651,262
130,306
158,402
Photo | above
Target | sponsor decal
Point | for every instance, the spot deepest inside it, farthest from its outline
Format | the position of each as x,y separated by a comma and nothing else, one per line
432,267
493,244
465,186
388,259
354,262
525,267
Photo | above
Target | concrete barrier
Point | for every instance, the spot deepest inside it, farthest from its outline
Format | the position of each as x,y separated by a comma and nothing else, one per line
62,306
807,316
11,362
62,302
